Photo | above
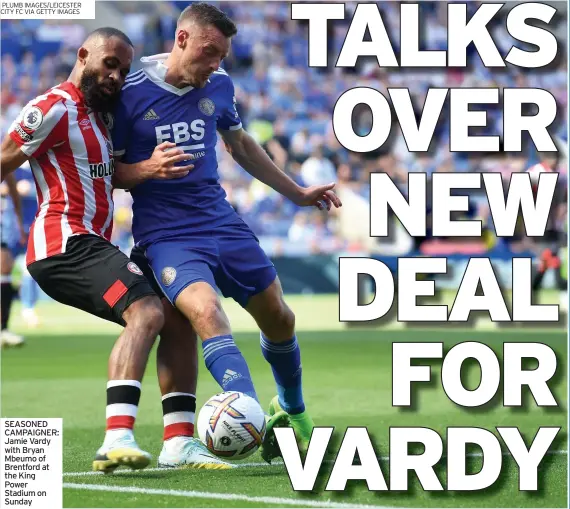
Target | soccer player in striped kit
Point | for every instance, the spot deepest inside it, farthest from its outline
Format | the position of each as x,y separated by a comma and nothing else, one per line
65,135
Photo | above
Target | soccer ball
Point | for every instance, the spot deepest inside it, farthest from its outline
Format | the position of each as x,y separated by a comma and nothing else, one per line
231,425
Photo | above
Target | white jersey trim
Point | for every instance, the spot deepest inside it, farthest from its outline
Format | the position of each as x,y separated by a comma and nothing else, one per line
137,82
108,180
79,150
156,70
236,127
40,243
134,76
65,227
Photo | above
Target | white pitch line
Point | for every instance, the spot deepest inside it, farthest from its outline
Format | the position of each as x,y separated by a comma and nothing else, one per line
218,496
254,465
237,465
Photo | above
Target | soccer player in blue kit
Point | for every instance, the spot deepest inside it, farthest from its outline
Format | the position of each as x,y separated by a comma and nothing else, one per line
11,234
186,231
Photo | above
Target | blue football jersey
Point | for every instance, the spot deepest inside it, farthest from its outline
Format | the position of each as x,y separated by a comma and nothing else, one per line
151,112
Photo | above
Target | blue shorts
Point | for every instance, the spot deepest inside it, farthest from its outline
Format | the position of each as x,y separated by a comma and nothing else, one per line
229,259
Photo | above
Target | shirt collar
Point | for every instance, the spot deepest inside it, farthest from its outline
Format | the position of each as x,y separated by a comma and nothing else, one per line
154,67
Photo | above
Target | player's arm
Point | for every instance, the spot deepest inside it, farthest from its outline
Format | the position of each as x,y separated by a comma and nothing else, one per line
161,165
11,158
253,159
41,125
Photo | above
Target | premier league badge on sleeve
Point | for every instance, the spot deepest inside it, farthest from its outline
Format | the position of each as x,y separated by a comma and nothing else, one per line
33,118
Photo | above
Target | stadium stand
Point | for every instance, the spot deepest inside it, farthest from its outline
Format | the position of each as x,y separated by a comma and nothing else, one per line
288,107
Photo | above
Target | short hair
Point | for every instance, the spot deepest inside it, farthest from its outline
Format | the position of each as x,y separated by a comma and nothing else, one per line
207,14
108,32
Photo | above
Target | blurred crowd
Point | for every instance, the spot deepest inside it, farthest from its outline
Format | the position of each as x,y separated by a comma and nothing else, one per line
288,106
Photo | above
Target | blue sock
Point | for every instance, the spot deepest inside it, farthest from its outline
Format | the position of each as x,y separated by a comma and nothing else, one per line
227,365
285,360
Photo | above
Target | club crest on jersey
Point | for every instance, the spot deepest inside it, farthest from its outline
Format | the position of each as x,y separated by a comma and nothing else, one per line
107,119
168,275
33,117
206,106
134,268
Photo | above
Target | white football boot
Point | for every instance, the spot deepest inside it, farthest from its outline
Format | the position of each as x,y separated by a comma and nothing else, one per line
8,338
120,449
189,452
30,317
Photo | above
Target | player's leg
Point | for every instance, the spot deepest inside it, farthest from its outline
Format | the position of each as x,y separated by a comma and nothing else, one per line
94,276
177,370
186,278
7,294
28,297
280,348
177,365
184,271
251,279
201,304
143,318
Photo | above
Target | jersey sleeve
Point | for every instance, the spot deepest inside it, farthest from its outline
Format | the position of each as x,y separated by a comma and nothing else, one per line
120,131
229,119
41,125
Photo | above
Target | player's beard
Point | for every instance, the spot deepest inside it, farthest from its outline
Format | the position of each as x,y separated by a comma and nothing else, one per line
92,90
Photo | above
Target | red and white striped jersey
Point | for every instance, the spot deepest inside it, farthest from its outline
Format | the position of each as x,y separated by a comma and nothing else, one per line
71,157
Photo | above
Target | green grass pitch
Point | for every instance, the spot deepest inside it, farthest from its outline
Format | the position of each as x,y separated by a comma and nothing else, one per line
61,372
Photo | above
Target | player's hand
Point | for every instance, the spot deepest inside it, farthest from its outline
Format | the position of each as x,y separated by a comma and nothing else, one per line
162,164
318,196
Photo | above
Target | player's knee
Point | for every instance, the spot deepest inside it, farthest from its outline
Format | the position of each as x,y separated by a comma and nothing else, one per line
147,316
282,322
208,309
153,318
287,319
